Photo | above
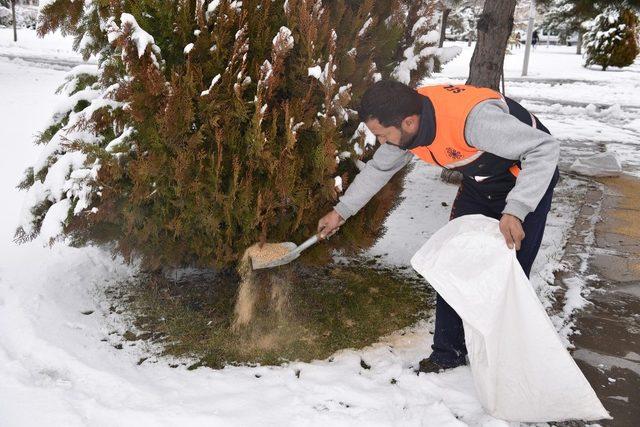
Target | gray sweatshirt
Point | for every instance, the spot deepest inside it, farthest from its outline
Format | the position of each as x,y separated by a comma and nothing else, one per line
489,127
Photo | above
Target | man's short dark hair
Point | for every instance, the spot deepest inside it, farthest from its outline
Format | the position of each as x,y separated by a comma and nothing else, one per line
389,102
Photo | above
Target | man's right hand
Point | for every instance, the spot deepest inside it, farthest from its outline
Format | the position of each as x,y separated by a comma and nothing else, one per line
329,224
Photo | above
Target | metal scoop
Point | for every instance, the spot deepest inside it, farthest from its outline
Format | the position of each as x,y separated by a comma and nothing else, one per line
288,257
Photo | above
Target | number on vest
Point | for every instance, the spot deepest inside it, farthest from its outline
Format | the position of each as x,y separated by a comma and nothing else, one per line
454,89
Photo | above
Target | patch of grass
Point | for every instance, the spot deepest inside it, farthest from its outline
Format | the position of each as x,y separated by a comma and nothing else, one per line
327,309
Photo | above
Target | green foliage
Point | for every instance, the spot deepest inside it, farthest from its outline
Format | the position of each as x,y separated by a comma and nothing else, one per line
205,131
612,39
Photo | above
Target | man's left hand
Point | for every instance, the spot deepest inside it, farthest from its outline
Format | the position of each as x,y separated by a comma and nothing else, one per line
511,229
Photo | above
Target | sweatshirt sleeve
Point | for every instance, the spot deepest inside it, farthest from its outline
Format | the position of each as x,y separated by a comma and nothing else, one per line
386,161
491,128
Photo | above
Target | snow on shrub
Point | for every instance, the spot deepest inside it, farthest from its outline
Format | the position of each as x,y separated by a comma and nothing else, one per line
209,126
611,39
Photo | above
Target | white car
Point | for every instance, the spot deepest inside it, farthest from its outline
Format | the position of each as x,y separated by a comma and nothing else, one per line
554,37
546,36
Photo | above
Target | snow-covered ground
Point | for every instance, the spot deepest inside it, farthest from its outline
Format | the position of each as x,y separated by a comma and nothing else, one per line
53,51
57,370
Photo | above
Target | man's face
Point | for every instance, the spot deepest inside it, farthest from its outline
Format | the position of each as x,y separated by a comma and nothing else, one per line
400,137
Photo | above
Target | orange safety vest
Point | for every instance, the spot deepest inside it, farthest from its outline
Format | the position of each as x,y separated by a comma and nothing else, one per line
452,105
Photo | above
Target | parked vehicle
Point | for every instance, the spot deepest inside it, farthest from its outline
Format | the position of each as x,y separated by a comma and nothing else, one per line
555,38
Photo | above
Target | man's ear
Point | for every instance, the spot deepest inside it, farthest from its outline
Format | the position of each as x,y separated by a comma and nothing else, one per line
411,123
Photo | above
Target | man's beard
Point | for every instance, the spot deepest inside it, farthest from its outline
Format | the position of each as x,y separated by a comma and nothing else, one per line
406,139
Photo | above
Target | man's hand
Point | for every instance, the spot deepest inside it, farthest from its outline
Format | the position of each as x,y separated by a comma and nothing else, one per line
329,224
511,229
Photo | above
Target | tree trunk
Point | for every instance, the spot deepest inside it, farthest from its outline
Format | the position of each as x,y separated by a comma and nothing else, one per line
13,11
579,43
494,27
443,26
493,30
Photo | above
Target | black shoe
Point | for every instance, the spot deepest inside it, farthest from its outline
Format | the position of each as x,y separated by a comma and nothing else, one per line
427,365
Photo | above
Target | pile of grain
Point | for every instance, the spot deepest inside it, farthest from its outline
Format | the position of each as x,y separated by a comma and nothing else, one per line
248,290
267,253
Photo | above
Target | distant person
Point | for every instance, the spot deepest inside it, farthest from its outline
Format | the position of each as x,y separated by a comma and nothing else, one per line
534,38
517,38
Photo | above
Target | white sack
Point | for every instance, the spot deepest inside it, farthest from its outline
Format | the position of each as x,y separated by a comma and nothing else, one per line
520,368
599,165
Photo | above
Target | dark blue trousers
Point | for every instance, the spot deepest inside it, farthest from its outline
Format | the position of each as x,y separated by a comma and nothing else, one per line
448,346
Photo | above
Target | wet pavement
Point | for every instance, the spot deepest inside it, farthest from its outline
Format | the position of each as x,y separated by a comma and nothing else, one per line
604,251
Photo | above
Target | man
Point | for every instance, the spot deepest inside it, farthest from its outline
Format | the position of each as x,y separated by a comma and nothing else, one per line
507,157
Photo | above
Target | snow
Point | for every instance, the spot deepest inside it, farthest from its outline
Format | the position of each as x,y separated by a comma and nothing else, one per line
213,83
369,138
68,133
323,75
365,27
598,165
121,139
26,15
419,215
59,164
315,72
412,59
140,37
56,370
421,23
67,104
75,72
188,48
433,37
338,183
283,41
574,298
55,219
52,51
57,180
34,197
212,7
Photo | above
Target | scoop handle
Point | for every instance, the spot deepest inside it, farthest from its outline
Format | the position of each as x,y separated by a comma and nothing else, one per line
307,243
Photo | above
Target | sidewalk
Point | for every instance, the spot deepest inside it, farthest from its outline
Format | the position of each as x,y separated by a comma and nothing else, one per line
604,250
